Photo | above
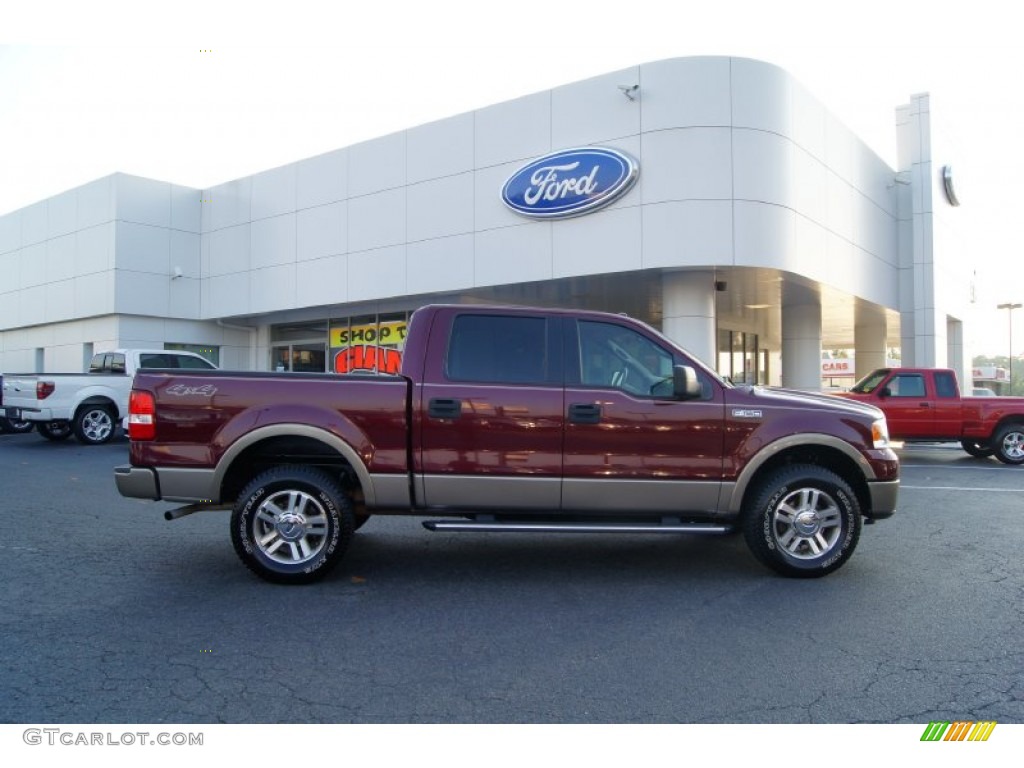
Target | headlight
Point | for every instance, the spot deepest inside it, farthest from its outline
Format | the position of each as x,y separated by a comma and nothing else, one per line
880,433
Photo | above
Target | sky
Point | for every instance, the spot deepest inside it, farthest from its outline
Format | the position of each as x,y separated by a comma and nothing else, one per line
199,93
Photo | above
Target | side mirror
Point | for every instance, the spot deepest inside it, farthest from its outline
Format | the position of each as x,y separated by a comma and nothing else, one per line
685,384
885,392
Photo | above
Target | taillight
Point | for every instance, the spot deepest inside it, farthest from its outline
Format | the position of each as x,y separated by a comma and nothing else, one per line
44,389
141,416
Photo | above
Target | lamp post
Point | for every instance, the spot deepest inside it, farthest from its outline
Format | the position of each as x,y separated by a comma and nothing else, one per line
1009,313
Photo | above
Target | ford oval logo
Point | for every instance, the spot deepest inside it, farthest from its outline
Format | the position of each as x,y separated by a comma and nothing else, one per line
570,183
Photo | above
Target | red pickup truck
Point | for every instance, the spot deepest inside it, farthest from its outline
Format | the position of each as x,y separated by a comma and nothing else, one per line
924,404
512,419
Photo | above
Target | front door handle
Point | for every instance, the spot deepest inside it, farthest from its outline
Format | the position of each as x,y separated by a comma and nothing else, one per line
584,413
444,408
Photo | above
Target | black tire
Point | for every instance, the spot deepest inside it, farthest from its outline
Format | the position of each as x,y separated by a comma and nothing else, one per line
803,521
976,448
14,427
94,425
1009,444
292,524
54,430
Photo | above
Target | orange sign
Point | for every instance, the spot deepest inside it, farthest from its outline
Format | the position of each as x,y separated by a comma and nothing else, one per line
367,357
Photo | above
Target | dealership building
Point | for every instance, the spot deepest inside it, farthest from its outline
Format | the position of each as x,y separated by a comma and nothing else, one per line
712,197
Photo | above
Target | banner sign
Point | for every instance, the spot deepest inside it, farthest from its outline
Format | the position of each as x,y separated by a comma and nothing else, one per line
369,348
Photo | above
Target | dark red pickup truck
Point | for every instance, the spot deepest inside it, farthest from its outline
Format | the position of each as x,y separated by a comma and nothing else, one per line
512,419
924,404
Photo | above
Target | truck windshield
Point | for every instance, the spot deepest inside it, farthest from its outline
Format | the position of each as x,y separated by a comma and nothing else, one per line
868,383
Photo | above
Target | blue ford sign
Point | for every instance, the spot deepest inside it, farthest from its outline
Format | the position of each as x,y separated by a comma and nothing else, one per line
569,183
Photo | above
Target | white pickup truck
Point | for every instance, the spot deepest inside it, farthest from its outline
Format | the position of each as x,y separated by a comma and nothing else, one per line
88,404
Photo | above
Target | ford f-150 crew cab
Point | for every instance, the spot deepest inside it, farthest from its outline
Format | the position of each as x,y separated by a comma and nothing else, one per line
512,419
924,404
89,404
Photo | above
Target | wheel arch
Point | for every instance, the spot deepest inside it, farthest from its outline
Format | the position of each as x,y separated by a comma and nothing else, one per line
820,450
1005,421
298,444
102,400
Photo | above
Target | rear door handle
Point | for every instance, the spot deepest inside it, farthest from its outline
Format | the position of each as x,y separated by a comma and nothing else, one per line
444,408
584,413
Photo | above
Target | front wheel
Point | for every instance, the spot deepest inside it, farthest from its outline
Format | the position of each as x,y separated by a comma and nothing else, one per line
804,521
94,425
976,449
292,524
1009,444
54,430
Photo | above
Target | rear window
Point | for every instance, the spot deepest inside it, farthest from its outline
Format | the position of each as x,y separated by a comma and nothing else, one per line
107,362
945,385
493,348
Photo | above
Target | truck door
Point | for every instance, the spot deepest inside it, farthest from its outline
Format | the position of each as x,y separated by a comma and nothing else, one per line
490,412
907,407
948,418
629,446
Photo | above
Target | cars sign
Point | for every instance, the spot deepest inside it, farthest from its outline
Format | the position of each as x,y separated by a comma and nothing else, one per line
570,183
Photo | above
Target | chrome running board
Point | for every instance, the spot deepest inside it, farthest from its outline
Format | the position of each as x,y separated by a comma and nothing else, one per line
521,526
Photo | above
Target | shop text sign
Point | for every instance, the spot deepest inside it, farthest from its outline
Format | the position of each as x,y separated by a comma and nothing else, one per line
372,347
570,183
392,332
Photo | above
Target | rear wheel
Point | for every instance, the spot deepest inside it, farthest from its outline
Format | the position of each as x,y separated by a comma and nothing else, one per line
804,521
977,449
54,430
291,525
94,425
1009,444
14,425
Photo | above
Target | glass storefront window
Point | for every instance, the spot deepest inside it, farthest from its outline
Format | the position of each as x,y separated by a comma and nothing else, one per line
741,359
299,357
368,344
363,344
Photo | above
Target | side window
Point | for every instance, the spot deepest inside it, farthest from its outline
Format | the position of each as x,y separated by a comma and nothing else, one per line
193,363
621,358
906,385
945,385
492,348
156,361
116,363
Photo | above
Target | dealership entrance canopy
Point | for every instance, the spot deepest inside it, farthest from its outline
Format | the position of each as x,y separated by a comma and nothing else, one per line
712,197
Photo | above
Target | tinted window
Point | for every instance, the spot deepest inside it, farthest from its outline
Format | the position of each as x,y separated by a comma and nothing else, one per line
184,361
491,348
906,385
945,384
869,382
157,361
614,356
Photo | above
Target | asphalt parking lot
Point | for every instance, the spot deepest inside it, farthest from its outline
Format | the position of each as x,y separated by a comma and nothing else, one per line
109,614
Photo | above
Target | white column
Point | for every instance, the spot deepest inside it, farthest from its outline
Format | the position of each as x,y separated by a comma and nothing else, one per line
688,312
801,339
869,333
